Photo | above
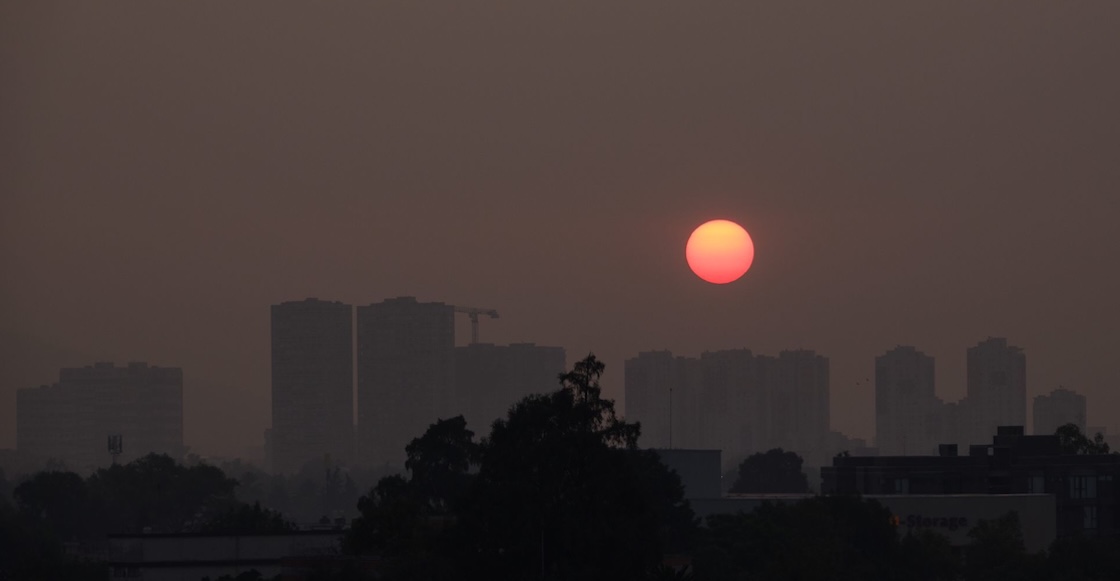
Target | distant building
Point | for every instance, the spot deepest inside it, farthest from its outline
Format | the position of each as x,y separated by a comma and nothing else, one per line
72,420
735,417
1059,408
649,389
800,405
997,389
733,401
1084,486
489,379
312,383
909,418
406,375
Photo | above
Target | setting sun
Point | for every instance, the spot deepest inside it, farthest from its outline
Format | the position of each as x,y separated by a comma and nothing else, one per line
719,251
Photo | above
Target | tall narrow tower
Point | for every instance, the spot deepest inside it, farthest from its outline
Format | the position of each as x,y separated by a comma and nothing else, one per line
312,383
406,375
997,388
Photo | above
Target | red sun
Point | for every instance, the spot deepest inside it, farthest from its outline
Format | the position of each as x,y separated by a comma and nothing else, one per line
719,251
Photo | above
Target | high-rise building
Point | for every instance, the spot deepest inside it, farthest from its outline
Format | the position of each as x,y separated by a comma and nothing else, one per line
909,418
1061,407
649,393
489,379
406,375
312,383
735,417
800,404
997,388
71,421
731,400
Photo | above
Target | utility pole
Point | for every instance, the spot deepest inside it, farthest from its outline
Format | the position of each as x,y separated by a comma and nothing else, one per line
115,446
670,417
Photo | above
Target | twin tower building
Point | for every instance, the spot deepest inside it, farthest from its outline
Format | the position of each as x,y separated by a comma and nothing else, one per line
396,364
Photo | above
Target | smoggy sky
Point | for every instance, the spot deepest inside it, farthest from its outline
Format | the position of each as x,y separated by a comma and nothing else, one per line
911,173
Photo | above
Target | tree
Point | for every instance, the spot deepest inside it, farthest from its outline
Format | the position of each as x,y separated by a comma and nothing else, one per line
564,493
61,501
413,523
774,471
997,551
833,538
156,492
1083,559
245,519
440,462
1072,441
558,490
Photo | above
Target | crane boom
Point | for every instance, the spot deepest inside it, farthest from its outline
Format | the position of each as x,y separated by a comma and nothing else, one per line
473,313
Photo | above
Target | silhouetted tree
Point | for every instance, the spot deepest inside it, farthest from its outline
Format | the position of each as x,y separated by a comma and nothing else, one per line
776,471
928,556
60,500
30,550
997,551
156,492
245,519
561,492
821,538
1083,559
1073,441
440,461
564,493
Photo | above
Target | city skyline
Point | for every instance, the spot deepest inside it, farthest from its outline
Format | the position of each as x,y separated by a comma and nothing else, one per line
729,399
922,175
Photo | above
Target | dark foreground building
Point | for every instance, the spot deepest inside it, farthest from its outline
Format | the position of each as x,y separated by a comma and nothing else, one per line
951,515
1083,485
294,555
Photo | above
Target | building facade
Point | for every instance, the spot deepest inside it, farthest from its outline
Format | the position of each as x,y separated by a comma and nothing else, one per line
406,375
648,387
1084,486
909,418
997,389
1057,409
489,379
732,400
71,421
312,383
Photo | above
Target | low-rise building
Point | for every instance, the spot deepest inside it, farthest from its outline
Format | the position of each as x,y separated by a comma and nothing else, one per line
194,556
1083,486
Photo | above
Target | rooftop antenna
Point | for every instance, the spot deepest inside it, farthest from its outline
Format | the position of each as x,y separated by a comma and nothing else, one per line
115,446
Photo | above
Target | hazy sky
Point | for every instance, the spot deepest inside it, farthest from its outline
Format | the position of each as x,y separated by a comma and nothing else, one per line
911,173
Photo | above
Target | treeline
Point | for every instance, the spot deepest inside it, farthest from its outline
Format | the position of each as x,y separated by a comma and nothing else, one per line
51,510
557,490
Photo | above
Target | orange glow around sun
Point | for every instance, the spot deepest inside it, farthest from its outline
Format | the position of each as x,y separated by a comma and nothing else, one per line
720,251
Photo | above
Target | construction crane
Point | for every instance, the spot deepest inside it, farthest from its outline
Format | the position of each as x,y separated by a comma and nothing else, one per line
473,313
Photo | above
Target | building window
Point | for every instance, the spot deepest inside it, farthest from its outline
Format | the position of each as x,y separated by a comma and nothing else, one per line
902,486
1090,517
1036,484
1083,487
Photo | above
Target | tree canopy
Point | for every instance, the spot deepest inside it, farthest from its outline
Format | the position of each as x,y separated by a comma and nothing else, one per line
558,490
1072,441
775,471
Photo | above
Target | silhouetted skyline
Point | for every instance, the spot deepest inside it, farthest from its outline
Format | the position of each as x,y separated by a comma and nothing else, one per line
911,175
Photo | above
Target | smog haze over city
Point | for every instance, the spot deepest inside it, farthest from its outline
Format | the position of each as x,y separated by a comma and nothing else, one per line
911,174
